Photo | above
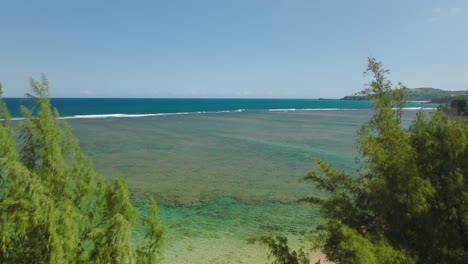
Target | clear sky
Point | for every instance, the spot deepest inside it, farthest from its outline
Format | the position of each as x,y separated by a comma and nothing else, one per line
229,48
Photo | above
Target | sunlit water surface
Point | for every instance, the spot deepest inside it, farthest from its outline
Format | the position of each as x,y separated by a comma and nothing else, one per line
221,178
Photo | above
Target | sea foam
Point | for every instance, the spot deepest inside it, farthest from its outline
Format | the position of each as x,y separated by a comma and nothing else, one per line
308,109
120,115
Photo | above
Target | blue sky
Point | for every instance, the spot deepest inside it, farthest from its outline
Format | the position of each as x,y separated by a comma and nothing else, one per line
229,48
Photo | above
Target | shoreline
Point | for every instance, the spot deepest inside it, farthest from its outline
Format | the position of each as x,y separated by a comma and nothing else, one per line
225,250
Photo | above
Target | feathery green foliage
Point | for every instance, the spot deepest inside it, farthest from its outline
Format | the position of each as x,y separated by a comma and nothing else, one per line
54,208
154,235
409,201
280,250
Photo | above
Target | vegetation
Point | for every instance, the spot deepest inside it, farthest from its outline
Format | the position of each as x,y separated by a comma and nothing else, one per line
408,202
54,208
458,106
280,250
432,95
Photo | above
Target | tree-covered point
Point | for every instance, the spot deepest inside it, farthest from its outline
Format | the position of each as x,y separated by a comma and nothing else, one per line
433,95
54,207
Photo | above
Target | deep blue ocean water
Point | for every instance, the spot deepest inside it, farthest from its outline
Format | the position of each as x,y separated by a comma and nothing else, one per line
106,107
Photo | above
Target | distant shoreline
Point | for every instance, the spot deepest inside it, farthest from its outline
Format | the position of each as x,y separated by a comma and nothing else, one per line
421,95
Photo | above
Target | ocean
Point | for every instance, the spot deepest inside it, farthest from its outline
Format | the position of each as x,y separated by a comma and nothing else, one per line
141,107
222,170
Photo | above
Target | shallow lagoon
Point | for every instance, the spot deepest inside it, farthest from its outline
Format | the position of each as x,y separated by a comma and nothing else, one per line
222,177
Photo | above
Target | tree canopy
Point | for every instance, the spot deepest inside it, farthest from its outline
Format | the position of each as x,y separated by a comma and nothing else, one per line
54,207
408,202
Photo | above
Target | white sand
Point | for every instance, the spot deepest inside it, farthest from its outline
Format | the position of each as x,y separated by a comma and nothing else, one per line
198,250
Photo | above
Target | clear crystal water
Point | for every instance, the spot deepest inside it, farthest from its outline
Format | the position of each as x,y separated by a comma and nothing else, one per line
220,175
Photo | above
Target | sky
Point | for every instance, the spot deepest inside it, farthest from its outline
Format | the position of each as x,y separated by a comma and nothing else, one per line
229,48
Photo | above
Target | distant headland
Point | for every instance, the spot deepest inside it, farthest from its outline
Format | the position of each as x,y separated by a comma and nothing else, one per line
427,94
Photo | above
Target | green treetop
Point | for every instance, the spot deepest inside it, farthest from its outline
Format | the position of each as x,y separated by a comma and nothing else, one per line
408,202
54,207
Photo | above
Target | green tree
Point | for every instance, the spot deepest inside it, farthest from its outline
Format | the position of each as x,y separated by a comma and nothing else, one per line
409,201
279,249
458,106
54,207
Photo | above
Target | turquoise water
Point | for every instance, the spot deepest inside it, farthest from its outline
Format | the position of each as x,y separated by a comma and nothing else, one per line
250,156
131,107
221,178
222,172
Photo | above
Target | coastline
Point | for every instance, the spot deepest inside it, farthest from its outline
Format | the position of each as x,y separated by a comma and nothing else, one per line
226,250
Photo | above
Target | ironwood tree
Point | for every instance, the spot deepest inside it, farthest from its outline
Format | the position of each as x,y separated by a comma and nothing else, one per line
54,207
